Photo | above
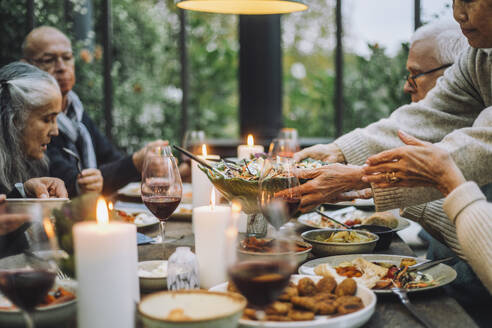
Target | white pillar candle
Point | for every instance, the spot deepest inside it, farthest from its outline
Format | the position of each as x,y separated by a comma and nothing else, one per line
106,268
210,225
245,151
200,184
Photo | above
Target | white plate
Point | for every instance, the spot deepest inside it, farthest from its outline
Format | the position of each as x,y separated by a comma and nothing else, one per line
442,273
133,190
355,319
130,190
313,220
182,212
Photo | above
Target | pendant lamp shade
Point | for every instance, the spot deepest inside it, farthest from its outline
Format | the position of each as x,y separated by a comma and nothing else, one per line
244,7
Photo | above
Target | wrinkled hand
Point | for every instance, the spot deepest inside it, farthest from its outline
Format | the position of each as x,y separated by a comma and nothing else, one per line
10,222
327,183
90,180
45,187
138,157
417,164
329,153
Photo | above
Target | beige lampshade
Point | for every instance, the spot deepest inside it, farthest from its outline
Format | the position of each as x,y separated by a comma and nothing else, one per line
244,7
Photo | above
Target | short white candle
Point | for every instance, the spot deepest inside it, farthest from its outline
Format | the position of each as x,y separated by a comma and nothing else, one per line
210,225
106,268
245,151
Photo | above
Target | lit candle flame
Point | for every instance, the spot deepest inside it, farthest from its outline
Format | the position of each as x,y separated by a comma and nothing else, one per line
110,206
235,206
251,141
204,150
102,211
48,228
212,198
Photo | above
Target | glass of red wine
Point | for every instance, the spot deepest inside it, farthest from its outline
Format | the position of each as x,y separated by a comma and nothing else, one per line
263,280
29,271
161,184
283,147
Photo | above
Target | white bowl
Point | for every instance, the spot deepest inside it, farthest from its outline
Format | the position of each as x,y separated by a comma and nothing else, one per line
300,257
152,282
203,308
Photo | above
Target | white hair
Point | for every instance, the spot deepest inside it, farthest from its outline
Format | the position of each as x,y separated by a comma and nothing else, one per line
23,89
450,41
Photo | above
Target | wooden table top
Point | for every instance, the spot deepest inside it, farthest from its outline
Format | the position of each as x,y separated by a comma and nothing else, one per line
440,309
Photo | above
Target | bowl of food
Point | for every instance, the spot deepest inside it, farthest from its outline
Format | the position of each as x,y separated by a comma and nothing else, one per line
385,234
327,242
254,249
191,308
152,275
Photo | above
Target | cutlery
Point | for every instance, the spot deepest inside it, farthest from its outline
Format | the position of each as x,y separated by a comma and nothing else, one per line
402,295
323,215
76,156
428,264
199,160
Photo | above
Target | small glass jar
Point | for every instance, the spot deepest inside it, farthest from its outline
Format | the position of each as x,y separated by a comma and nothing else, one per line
182,270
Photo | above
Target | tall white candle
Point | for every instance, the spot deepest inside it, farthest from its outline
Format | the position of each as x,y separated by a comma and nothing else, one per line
210,225
245,151
106,268
201,185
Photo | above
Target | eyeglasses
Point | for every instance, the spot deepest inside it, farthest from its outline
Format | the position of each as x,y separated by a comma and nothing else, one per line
411,78
48,62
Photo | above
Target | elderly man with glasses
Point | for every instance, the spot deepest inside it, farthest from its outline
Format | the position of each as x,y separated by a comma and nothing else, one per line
80,155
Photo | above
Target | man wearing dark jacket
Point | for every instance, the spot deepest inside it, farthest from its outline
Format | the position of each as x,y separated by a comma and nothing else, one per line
100,166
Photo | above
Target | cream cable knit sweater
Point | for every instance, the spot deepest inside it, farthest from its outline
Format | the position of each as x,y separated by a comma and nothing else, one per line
468,209
456,115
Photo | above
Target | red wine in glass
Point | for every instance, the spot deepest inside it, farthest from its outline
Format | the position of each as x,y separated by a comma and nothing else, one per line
26,288
162,206
261,282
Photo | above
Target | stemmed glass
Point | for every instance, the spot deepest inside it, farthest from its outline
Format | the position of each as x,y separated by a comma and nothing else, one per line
279,182
27,277
262,280
282,147
161,184
192,141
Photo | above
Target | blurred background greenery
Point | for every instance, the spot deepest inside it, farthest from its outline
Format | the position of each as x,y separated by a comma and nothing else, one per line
146,70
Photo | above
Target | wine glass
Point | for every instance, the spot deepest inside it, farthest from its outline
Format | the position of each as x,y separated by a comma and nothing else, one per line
290,134
26,278
192,141
279,182
263,280
282,147
161,184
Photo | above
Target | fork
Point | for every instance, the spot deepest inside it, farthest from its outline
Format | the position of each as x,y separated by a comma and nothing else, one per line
61,275
402,294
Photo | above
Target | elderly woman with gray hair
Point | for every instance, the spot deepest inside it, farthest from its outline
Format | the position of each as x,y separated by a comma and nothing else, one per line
30,100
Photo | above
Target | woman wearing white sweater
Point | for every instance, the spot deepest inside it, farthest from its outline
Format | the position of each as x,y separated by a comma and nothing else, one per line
421,163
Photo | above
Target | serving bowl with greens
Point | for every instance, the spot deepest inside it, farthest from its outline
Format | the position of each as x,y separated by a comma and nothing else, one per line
327,242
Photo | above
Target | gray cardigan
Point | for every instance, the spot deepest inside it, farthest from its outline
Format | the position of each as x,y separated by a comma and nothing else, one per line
456,115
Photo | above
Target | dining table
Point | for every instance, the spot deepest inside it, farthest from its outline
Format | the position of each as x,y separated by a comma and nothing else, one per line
436,305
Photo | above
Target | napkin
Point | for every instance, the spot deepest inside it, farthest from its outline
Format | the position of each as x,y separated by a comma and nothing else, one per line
143,239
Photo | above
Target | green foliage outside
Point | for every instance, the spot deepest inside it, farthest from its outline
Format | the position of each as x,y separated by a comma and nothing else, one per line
146,70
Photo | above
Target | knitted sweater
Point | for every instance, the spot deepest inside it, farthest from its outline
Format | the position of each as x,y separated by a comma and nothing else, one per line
456,115
468,209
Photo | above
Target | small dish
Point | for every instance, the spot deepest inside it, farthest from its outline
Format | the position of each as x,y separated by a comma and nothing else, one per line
385,235
151,277
300,256
191,308
321,248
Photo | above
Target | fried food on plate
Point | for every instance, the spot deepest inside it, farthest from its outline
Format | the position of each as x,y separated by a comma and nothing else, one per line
306,287
304,302
346,287
326,284
288,293
298,315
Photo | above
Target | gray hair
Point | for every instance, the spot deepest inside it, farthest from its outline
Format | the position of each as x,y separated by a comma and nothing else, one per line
450,41
23,89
